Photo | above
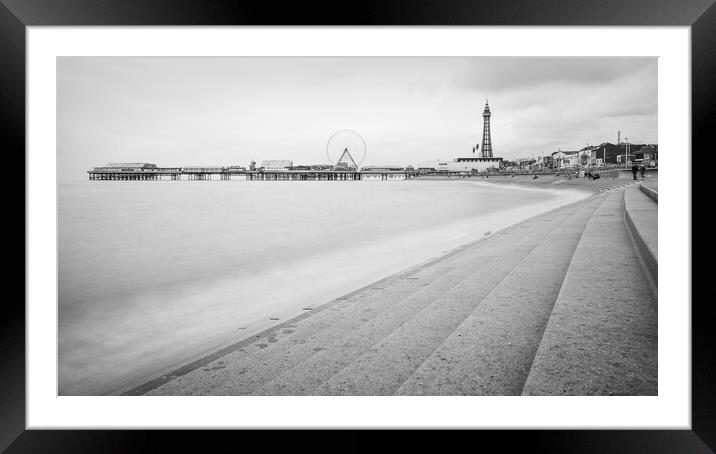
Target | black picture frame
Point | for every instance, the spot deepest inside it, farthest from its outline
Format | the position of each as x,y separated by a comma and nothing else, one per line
16,15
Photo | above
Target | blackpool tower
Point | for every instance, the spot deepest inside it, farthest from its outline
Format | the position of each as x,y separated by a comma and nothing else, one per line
486,140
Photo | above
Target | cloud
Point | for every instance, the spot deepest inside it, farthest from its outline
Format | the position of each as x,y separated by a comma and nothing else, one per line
500,74
184,111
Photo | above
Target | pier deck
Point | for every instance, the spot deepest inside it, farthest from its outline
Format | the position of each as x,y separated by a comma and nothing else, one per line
251,175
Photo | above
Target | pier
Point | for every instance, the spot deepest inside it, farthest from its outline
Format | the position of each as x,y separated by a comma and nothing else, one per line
330,175
228,174
222,174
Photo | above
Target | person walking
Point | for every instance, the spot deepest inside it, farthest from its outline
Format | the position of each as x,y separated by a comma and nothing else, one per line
642,170
634,169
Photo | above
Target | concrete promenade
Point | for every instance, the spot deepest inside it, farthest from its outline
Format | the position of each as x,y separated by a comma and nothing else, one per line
560,304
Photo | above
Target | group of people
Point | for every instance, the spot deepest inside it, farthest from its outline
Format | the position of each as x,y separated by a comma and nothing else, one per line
591,176
634,170
641,169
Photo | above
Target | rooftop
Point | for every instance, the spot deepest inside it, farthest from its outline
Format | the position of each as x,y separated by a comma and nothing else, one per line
135,165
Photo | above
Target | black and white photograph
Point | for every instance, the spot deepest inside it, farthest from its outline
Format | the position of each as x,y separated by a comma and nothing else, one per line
357,226
243,217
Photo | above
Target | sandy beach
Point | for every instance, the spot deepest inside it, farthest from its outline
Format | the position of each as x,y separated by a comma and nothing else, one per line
387,336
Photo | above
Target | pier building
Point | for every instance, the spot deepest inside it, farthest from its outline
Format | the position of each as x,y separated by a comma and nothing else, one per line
126,167
273,165
133,171
383,168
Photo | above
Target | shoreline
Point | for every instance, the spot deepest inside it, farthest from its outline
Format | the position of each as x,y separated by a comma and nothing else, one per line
548,181
206,355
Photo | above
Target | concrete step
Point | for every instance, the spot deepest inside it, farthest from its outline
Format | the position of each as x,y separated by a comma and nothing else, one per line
601,338
315,318
491,351
642,218
651,190
253,362
290,341
402,326
611,185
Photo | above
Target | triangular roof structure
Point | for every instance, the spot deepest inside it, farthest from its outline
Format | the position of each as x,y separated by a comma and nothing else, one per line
349,161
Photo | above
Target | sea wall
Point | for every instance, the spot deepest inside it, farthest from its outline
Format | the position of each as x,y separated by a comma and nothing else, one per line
626,173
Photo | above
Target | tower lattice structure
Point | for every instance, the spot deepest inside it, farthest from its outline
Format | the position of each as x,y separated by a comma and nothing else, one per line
486,140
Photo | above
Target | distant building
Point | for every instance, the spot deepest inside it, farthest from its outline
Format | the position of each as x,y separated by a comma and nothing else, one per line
485,162
562,159
252,165
345,166
427,169
126,167
609,153
587,155
275,165
647,155
470,164
525,163
382,168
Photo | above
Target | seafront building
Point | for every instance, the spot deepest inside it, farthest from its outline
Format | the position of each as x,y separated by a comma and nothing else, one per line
562,159
482,163
592,156
469,165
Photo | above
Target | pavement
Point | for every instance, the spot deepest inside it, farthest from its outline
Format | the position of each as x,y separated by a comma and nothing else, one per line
641,216
558,304
602,335
652,183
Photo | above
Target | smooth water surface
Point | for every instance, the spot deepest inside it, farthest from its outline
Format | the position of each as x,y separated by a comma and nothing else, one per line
153,272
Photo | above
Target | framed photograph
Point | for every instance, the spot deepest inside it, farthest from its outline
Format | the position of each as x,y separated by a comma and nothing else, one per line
414,218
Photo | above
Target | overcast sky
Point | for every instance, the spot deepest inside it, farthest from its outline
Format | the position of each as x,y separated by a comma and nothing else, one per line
227,111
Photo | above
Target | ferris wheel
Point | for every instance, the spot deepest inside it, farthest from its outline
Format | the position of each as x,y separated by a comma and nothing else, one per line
346,148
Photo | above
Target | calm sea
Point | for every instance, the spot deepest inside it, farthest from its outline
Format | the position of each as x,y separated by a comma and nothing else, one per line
151,273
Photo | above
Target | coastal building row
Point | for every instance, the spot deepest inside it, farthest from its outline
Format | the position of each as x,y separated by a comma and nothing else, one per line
605,154
481,161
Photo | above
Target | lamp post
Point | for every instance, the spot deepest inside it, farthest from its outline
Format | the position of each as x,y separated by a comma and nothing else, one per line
604,160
